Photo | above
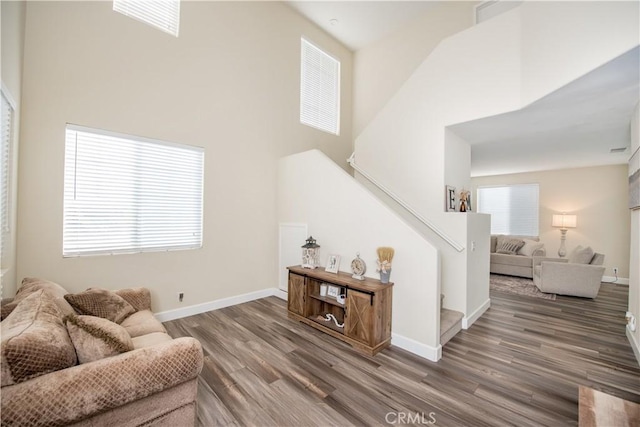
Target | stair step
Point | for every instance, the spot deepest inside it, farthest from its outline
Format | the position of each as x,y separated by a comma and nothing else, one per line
450,324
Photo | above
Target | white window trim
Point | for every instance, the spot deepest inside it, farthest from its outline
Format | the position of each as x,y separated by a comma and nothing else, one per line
173,27
162,248
537,185
6,229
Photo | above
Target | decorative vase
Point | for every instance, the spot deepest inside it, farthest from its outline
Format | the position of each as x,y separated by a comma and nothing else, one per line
384,276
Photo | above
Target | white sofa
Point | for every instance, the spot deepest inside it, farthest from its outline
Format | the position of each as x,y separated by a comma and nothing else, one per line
520,264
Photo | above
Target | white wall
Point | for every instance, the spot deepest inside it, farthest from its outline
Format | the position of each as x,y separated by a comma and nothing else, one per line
483,71
13,26
597,195
346,219
634,260
229,83
381,68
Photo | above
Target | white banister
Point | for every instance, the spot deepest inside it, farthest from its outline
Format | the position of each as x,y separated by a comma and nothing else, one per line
352,161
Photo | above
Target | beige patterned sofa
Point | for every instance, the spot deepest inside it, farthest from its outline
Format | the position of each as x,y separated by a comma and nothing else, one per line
97,358
519,263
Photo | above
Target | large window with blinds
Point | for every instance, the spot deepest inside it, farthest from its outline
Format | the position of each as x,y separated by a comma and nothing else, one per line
161,14
513,208
6,134
319,89
125,194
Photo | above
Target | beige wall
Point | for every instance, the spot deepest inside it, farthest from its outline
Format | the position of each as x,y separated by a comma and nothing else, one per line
229,83
381,68
13,24
597,195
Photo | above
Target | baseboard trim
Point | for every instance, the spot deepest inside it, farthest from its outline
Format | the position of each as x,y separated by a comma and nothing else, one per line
426,351
634,344
612,279
178,313
281,294
470,320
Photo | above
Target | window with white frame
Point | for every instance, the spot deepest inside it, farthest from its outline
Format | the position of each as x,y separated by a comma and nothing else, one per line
125,194
319,89
161,14
513,208
6,134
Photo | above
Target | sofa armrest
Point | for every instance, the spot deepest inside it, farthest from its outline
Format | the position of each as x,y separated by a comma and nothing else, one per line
542,252
571,279
539,260
75,393
139,298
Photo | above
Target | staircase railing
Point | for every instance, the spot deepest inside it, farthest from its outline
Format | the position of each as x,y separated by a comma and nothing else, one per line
455,245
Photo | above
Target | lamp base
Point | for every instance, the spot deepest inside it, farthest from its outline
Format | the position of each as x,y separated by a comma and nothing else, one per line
562,251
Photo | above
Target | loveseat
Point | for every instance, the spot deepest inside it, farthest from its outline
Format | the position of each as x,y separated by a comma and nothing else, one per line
578,275
518,261
96,358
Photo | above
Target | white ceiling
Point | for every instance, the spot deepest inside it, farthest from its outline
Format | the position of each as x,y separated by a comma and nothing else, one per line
360,23
576,126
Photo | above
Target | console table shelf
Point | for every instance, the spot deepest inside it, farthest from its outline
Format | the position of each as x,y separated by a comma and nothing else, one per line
365,315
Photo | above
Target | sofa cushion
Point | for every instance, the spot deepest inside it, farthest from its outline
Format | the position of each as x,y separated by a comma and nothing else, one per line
34,340
149,340
509,246
529,247
101,303
139,298
514,260
31,285
142,323
95,338
581,255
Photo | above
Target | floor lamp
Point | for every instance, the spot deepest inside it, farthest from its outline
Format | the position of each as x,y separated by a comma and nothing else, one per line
564,222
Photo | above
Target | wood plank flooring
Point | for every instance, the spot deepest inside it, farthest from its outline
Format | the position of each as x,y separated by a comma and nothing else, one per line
520,364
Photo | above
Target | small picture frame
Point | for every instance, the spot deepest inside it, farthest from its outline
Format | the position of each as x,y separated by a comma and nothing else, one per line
333,262
450,198
333,291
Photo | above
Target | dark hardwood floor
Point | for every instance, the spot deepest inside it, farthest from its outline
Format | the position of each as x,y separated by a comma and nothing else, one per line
520,364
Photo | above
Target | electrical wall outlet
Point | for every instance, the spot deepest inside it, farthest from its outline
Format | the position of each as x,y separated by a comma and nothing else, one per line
615,271
180,296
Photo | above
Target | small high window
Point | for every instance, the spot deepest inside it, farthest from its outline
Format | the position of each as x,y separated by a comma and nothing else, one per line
162,14
319,89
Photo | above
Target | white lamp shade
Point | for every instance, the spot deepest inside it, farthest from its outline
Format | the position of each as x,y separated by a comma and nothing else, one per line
565,221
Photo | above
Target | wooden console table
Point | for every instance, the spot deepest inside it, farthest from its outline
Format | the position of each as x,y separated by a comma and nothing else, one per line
366,313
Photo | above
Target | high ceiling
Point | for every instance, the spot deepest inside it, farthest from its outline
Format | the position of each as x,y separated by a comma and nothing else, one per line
576,126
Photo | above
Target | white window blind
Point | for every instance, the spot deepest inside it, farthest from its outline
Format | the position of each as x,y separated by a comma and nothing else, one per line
162,14
513,208
127,194
6,133
319,89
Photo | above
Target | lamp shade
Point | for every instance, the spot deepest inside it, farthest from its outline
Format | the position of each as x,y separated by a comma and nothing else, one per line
565,221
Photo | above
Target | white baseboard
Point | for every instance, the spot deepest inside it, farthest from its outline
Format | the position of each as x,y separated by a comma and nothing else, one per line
634,344
281,294
470,320
191,310
428,352
612,279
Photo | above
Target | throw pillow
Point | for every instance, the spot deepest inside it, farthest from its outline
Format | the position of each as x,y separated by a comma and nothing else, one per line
101,303
529,247
581,255
31,285
139,298
510,246
95,338
34,340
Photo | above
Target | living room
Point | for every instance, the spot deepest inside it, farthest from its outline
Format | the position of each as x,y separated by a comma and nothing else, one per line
230,83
